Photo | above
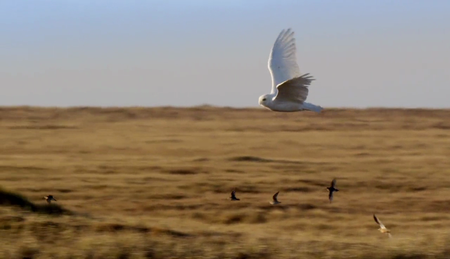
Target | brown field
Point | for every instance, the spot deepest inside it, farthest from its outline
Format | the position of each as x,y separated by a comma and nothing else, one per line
155,183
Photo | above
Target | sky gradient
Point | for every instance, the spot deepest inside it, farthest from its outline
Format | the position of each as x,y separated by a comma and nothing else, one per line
375,53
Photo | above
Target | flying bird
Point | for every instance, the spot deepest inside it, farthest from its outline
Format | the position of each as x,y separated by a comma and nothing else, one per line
49,198
275,199
233,196
382,228
289,87
332,189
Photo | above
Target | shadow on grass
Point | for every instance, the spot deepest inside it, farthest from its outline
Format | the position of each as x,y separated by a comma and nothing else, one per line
8,198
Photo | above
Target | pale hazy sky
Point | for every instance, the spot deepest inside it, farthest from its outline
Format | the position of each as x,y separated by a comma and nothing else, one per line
193,52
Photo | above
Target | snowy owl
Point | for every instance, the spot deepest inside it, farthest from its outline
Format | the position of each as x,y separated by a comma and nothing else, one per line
289,87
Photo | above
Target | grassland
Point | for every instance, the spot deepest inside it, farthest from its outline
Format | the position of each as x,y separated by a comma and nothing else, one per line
155,182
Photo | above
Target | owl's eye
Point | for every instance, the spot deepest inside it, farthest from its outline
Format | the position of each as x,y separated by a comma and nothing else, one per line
264,99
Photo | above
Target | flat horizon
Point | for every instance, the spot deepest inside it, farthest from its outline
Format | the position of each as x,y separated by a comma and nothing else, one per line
215,107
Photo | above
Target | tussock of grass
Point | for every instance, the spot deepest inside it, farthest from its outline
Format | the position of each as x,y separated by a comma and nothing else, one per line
116,227
8,198
249,159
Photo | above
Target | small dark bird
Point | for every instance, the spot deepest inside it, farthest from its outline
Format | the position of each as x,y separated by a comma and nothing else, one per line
275,199
233,196
331,189
49,198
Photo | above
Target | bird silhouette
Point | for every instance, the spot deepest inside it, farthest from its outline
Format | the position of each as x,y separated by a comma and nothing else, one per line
49,198
332,189
233,196
275,200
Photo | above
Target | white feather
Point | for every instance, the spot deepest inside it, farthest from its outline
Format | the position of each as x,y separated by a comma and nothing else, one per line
283,59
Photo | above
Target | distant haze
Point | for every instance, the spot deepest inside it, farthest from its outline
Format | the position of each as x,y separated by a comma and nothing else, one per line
183,53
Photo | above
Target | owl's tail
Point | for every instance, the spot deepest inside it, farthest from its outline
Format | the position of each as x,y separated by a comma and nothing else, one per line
312,107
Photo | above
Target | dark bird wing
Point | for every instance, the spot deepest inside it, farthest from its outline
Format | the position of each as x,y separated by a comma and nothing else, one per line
333,183
275,196
377,220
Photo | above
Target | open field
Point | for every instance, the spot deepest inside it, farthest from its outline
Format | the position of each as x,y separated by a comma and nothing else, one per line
155,183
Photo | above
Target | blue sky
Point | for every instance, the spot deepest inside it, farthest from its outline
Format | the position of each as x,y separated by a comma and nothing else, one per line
182,53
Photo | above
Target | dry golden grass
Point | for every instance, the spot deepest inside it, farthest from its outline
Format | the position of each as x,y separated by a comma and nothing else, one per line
155,183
